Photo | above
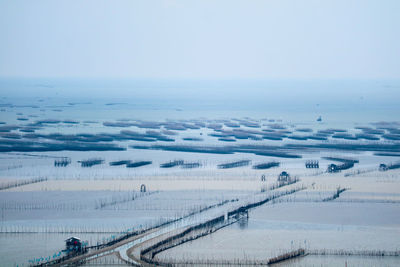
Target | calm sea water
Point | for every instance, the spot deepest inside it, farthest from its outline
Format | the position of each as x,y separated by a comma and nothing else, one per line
295,101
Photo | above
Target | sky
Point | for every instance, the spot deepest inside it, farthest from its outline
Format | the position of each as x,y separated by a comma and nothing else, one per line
224,39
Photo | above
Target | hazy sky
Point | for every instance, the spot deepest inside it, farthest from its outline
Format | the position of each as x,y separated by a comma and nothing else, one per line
219,39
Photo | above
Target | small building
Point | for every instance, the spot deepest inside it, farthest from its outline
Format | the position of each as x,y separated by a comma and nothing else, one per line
143,188
73,245
383,167
284,177
333,168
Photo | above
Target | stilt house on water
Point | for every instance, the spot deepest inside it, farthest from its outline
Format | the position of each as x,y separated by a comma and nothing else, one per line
284,177
333,168
73,245
383,167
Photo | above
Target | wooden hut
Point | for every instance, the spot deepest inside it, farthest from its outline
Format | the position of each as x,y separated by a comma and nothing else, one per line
284,177
333,168
73,245
143,188
383,167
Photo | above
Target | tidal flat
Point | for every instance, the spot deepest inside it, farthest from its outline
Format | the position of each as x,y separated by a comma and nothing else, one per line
161,175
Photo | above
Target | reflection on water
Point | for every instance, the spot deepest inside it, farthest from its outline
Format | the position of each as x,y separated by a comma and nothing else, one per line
19,248
333,261
243,223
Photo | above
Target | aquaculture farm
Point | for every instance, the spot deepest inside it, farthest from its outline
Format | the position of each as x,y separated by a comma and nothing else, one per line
170,191
199,133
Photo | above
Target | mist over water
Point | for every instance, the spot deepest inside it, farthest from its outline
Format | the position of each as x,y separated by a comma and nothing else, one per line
126,120
268,130
336,100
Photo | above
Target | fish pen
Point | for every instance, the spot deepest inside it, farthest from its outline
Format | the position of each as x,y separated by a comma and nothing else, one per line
119,162
287,256
337,168
172,164
384,167
190,165
312,164
8,185
234,164
339,190
263,166
344,160
138,164
91,162
394,166
64,162
346,165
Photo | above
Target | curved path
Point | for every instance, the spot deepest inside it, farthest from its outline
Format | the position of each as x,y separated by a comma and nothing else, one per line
129,249
123,246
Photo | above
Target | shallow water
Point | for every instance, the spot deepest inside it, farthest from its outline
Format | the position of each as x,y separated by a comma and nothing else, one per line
342,104
22,249
274,229
332,261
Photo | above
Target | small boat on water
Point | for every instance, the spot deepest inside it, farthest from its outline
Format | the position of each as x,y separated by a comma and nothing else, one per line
319,118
